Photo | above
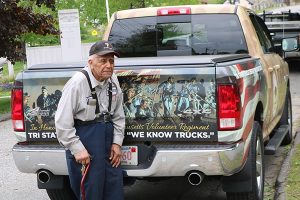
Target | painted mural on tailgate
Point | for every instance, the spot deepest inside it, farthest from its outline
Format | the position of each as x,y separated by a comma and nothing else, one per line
159,104
40,100
164,104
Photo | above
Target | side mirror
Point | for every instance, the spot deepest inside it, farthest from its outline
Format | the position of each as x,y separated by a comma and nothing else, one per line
290,44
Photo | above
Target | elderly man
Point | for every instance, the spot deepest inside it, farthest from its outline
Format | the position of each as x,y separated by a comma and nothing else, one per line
90,124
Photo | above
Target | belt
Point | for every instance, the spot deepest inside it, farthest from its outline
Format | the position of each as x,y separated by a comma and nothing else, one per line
102,118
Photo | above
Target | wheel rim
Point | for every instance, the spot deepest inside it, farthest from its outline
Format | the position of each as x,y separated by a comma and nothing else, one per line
259,169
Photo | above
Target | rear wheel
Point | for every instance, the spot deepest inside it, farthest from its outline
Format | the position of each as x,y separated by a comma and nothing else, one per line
255,170
286,119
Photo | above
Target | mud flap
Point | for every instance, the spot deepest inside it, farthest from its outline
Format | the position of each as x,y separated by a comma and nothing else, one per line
239,182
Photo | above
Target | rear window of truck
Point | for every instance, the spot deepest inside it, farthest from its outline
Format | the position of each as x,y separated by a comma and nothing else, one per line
203,34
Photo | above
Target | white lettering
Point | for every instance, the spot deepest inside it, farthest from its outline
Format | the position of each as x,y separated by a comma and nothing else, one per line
34,135
48,135
194,135
159,134
136,134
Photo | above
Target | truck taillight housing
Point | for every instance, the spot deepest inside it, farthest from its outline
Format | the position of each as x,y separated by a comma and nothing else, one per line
229,107
17,115
173,11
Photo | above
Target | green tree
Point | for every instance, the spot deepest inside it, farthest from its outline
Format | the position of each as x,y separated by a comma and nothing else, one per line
35,22
15,20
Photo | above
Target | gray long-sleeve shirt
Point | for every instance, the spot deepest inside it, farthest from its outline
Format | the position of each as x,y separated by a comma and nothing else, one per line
74,105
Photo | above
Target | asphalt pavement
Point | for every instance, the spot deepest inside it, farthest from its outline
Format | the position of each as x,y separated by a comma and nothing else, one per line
4,117
14,184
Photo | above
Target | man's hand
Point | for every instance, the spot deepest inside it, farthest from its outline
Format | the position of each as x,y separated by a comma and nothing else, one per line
82,157
115,155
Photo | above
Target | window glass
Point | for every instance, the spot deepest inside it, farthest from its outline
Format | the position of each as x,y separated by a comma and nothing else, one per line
266,34
135,37
174,39
262,33
214,36
204,34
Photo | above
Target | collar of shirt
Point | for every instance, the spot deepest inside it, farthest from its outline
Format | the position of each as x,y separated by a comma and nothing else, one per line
94,81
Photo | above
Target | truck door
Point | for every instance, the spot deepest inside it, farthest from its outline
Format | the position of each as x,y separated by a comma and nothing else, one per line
274,66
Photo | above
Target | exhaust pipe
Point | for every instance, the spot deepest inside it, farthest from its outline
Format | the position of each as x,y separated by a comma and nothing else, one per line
195,178
44,176
47,180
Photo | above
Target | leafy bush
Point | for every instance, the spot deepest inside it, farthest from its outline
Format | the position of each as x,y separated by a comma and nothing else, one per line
33,39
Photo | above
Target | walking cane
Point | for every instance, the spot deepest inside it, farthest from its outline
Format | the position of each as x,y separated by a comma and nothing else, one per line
84,171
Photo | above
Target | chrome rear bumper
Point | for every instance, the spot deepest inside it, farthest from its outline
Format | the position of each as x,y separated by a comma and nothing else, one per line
31,158
217,160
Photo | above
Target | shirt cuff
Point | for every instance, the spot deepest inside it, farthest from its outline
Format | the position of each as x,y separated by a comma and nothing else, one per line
118,139
76,147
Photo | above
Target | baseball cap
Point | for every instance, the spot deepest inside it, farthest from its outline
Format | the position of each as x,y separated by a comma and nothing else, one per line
102,48
43,87
26,94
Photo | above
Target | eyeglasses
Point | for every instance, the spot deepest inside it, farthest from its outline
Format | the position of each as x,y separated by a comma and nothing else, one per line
103,61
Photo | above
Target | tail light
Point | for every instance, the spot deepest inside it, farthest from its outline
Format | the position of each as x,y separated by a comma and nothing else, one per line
173,11
229,107
17,109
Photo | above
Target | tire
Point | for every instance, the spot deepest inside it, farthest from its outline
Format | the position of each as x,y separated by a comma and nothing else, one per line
286,119
256,169
128,181
65,193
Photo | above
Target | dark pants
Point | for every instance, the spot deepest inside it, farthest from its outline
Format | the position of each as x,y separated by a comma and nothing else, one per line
103,182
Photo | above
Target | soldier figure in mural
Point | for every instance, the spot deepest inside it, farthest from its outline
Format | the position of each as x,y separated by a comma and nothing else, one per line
209,105
130,102
54,100
201,89
47,105
124,85
43,99
194,98
30,115
143,89
211,88
201,94
183,102
168,91
143,110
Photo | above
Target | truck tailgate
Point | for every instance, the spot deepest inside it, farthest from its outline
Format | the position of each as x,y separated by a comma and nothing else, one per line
42,90
173,103
166,103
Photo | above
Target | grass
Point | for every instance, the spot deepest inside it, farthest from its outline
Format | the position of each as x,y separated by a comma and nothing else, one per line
269,192
4,102
18,66
4,93
4,105
293,183
6,86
